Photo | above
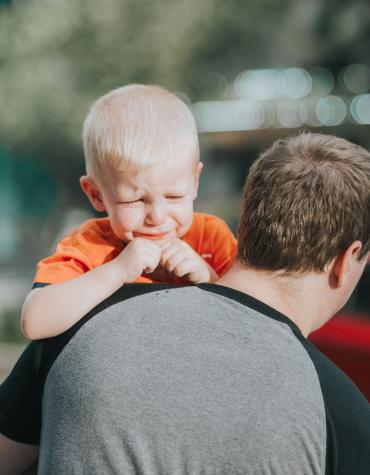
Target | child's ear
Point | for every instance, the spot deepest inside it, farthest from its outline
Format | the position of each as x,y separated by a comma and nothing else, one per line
197,173
92,191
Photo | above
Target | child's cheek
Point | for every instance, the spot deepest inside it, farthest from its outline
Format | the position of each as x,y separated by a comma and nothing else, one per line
184,213
130,219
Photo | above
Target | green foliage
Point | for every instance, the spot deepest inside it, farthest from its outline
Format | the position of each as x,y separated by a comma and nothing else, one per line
10,328
57,57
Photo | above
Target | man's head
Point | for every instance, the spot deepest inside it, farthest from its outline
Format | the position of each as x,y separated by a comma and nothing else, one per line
142,161
306,202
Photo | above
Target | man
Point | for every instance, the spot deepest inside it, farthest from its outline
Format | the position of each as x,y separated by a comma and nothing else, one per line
218,378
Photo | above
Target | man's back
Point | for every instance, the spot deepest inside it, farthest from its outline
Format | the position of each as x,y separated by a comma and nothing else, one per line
191,380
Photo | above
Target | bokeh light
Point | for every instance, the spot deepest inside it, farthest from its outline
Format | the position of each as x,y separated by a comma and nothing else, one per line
265,84
360,109
307,111
288,115
331,110
295,83
259,84
356,78
223,116
322,81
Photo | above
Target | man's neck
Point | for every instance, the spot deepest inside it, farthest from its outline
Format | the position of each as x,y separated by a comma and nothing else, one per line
297,298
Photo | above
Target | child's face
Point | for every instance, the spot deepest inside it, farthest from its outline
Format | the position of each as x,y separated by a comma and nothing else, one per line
155,203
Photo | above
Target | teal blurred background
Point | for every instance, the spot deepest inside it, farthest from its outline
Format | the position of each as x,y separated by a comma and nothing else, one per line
253,70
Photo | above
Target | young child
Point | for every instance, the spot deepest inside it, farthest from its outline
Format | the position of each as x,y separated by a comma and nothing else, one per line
142,168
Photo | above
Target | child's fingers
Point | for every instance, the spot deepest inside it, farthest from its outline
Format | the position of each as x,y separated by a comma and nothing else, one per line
174,243
169,252
174,260
166,244
149,269
182,269
152,259
177,246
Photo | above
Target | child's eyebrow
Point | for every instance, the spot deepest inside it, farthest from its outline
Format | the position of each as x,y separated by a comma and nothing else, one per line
178,188
128,195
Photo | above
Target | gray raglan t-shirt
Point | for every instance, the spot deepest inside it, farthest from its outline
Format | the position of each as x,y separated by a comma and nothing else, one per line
194,380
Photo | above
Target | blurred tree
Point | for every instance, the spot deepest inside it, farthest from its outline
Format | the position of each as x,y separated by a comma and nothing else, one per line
10,329
57,57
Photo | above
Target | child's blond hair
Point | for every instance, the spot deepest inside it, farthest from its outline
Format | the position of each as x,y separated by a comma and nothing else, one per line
136,126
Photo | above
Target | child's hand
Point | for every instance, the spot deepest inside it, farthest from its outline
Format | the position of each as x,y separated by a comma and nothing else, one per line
140,255
181,260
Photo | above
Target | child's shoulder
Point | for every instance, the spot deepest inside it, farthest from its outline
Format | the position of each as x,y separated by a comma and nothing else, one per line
208,228
213,240
208,221
92,230
101,225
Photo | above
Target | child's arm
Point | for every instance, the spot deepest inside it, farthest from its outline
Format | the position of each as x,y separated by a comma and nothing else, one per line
17,458
51,310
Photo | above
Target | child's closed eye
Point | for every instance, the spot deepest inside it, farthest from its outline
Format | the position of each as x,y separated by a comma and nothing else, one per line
174,197
132,202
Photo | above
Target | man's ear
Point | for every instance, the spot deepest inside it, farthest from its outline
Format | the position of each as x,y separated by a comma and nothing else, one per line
197,173
341,266
92,191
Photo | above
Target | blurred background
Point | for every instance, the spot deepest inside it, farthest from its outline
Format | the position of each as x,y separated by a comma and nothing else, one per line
252,70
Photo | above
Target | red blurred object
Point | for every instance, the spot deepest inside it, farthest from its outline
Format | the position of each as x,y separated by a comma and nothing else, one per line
345,339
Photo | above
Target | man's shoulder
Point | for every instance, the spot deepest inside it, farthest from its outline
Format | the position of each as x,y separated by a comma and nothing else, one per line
333,380
347,416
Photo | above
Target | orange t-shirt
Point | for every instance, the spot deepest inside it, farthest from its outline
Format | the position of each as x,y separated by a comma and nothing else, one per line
94,243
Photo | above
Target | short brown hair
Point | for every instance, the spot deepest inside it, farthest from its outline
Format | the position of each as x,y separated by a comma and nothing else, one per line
306,199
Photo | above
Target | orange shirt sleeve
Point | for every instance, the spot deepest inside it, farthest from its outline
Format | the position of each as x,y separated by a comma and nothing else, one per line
90,245
213,240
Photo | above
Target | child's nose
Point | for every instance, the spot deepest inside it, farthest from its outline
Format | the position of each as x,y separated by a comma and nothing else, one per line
156,215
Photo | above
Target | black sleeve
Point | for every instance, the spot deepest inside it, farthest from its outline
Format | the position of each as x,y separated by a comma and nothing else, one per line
39,285
21,397
347,417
